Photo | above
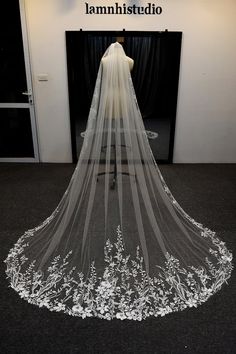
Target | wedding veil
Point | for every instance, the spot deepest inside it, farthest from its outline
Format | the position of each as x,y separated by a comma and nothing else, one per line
118,245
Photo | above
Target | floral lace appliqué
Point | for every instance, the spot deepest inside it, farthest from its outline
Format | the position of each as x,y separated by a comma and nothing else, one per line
125,290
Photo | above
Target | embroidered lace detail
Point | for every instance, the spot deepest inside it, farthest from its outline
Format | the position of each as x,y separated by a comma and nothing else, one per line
125,290
150,134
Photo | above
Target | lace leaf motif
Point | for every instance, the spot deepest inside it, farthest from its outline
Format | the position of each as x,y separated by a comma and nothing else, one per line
125,290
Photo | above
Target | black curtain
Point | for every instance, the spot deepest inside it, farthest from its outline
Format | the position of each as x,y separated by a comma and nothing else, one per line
146,52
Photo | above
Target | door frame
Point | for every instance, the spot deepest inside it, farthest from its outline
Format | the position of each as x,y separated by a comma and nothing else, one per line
29,93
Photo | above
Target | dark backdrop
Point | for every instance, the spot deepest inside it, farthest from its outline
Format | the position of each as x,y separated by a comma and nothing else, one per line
155,76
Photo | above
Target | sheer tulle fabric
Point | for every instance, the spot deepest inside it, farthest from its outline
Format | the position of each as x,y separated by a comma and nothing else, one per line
118,245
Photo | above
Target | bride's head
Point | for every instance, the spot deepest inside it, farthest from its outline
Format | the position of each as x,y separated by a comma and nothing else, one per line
115,49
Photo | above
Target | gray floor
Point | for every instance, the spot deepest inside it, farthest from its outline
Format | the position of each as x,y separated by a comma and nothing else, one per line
30,192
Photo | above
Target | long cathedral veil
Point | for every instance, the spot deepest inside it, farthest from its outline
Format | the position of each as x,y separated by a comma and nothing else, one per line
118,245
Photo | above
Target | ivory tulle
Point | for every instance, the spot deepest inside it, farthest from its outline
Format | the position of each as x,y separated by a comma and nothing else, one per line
118,245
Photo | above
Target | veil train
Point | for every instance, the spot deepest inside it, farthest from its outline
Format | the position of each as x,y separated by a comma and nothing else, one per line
118,245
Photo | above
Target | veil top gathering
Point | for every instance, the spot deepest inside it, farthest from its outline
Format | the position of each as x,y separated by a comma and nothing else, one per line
118,245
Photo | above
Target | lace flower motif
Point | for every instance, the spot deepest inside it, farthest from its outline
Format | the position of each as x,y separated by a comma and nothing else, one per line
125,290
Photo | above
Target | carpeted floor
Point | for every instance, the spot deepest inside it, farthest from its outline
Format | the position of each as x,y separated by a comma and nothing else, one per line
30,192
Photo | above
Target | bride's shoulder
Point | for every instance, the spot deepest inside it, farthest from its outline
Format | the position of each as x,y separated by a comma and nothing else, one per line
131,62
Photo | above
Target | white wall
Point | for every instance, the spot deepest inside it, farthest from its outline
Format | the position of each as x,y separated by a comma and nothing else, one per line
206,117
